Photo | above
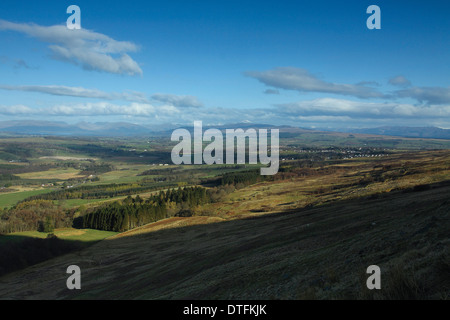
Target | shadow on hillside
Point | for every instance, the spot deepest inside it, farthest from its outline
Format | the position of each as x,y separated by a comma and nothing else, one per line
312,253
18,252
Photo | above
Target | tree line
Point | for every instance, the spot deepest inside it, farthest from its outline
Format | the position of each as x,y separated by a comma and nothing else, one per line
96,192
8,177
132,212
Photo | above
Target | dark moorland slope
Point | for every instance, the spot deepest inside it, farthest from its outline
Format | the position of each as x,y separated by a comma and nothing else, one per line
315,253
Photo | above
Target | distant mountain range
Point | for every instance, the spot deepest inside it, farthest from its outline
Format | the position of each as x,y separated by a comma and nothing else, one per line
110,129
79,129
124,129
407,132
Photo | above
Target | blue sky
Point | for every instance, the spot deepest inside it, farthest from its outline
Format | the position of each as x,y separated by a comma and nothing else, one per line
300,63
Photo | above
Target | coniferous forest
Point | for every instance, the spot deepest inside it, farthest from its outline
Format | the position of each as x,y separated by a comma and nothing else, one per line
124,215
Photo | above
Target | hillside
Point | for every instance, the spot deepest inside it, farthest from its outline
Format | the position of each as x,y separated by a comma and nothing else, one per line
315,253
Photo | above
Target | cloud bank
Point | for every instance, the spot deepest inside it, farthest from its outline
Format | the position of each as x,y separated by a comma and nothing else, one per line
92,109
88,49
318,112
290,78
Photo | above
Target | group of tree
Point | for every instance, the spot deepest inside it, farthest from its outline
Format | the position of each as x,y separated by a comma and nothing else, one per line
242,178
132,212
96,168
14,169
165,172
192,196
41,215
8,177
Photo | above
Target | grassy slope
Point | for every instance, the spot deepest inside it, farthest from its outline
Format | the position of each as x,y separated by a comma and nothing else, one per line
399,171
321,252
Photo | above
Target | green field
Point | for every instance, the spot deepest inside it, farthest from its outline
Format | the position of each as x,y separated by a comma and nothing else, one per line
83,235
10,199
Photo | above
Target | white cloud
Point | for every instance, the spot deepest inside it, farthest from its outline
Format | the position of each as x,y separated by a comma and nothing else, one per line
430,95
78,92
290,78
357,109
16,110
103,108
132,96
324,112
91,50
93,109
